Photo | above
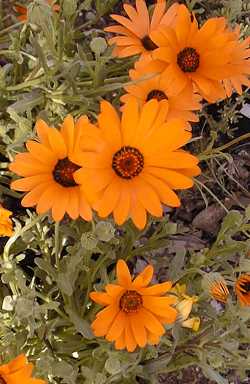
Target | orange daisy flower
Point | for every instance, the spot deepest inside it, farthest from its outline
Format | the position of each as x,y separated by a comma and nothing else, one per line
18,371
48,169
200,57
242,289
136,162
5,222
156,87
23,11
134,31
134,312
240,61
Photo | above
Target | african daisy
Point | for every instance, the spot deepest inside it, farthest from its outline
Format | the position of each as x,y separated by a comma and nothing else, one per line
200,57
135,162
48,170
134,313
134,31
155,86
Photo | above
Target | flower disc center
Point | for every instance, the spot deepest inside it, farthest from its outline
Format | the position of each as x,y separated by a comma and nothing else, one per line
128,162
148,44
63,173
188,59
131,302
157,94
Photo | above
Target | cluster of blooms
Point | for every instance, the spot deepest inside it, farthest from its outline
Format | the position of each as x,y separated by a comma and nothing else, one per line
129,165
191,61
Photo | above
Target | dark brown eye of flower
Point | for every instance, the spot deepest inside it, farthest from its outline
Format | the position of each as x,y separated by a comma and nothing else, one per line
128,162
131,302
157,94
63,173
2,381
188,59
148,44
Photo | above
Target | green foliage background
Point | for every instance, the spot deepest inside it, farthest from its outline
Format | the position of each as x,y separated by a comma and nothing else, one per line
58,64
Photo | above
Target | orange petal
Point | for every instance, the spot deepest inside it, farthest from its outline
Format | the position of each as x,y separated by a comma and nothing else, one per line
104,320
166,195
148,197
31,198
67,131
117,327
123,274
100,298
129,338
109,122
122,207
144,278
28,183
130,119
72,207
109,198
157,289
57,143
151,322
138,329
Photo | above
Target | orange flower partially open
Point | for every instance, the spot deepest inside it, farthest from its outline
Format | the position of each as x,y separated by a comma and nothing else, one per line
134,312
242,289
156,86
48,170
201,57
5,222
18,371
219,290
134,31
136,162
23,12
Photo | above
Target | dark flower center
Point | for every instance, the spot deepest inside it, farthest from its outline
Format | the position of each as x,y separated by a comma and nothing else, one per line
157,94
130,302
128,162
63,173
2,381
148,44
188,59
245,287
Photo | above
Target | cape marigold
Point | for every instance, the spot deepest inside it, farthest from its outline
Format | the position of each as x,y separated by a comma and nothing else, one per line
242,289
135,163
5,222
134,313
201,57
23,12
134,31
18,371
48,169
156,87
